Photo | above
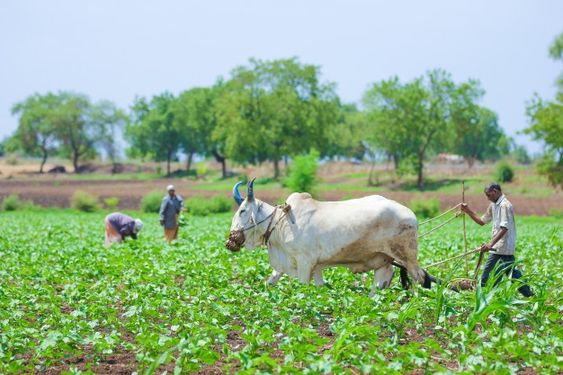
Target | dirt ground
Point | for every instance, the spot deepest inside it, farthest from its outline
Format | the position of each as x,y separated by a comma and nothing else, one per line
51,191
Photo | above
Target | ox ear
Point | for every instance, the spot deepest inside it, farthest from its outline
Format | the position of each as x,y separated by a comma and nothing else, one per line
250,190
236,194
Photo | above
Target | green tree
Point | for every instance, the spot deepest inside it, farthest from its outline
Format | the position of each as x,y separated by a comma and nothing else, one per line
195,119
74,127
151,131
272,109
413,119
36,134
476,134
107,122
546,124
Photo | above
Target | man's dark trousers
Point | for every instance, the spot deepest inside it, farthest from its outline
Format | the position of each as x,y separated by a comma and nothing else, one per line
506,265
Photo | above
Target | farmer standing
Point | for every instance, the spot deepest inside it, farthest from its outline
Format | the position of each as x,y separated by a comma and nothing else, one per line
119,226
503,242
171,206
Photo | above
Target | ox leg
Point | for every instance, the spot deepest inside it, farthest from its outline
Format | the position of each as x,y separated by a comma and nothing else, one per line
274,277
382,278
304,270
318,277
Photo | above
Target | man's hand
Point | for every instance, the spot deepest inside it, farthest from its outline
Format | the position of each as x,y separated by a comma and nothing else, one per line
485,248
162,222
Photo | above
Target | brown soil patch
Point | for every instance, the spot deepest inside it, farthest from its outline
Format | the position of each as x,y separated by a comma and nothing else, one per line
52,191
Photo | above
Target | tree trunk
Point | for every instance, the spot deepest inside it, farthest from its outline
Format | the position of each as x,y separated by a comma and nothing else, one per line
371,181
75,157
168,157
396,161
43,161
189,162
221,159
420,180
276,169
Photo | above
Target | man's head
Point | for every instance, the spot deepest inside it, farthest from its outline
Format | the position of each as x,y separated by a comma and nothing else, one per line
493,191
171,190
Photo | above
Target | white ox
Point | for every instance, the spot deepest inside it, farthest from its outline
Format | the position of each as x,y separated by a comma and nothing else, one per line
370,233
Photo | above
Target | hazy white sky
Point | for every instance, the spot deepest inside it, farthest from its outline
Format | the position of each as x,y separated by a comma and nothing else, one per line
116,49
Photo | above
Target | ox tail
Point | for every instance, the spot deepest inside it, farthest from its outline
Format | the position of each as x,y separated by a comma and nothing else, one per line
419,274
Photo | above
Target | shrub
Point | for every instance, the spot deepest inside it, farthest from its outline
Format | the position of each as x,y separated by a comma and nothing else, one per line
302,176
504,172
84,201
111,202
12,203
556,212
151,202
201,169
201,206
425,208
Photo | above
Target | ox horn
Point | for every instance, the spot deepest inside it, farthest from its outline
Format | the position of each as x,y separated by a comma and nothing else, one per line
236,194
250,189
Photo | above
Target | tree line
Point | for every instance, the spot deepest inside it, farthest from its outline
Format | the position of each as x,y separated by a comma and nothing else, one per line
273,111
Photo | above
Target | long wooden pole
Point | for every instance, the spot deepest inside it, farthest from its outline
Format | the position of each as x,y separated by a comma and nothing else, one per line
464,232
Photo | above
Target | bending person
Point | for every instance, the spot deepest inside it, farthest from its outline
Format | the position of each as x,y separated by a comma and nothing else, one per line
119,226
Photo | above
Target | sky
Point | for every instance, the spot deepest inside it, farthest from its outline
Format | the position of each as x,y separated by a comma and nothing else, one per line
119,49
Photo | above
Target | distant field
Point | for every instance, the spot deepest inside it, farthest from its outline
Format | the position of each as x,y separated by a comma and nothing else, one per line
529,193
68,304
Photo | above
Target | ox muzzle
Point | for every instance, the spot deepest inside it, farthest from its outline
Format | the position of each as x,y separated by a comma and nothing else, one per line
235,240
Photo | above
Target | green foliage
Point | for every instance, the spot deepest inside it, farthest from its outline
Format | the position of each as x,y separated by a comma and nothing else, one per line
556,212
83,201
302,175
152,131
202,206
111,202
410,120
12,203
273,109
425,208
202,169
194,307
504,172
151,201
521,155
552,169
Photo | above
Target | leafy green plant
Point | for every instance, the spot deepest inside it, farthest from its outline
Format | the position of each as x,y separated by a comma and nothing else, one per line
69,305
111,202
151,201
201,206
504,172
302,175
425,208
12,203
83,201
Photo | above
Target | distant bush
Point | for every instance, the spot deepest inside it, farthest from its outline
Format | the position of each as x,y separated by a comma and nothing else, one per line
556,212
504,172
12,203
151,201
201,206
263,180
111,202
302,175
201,169
425,208
84,201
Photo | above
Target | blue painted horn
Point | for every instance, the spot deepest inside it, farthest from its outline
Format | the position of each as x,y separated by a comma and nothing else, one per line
250,189
236,194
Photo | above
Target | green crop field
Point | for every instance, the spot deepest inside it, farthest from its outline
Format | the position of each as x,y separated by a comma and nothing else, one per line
69,304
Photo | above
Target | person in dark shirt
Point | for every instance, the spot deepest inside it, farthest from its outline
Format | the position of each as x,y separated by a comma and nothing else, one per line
119,226
170,208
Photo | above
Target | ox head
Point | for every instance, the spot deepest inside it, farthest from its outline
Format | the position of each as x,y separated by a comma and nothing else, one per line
243,231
